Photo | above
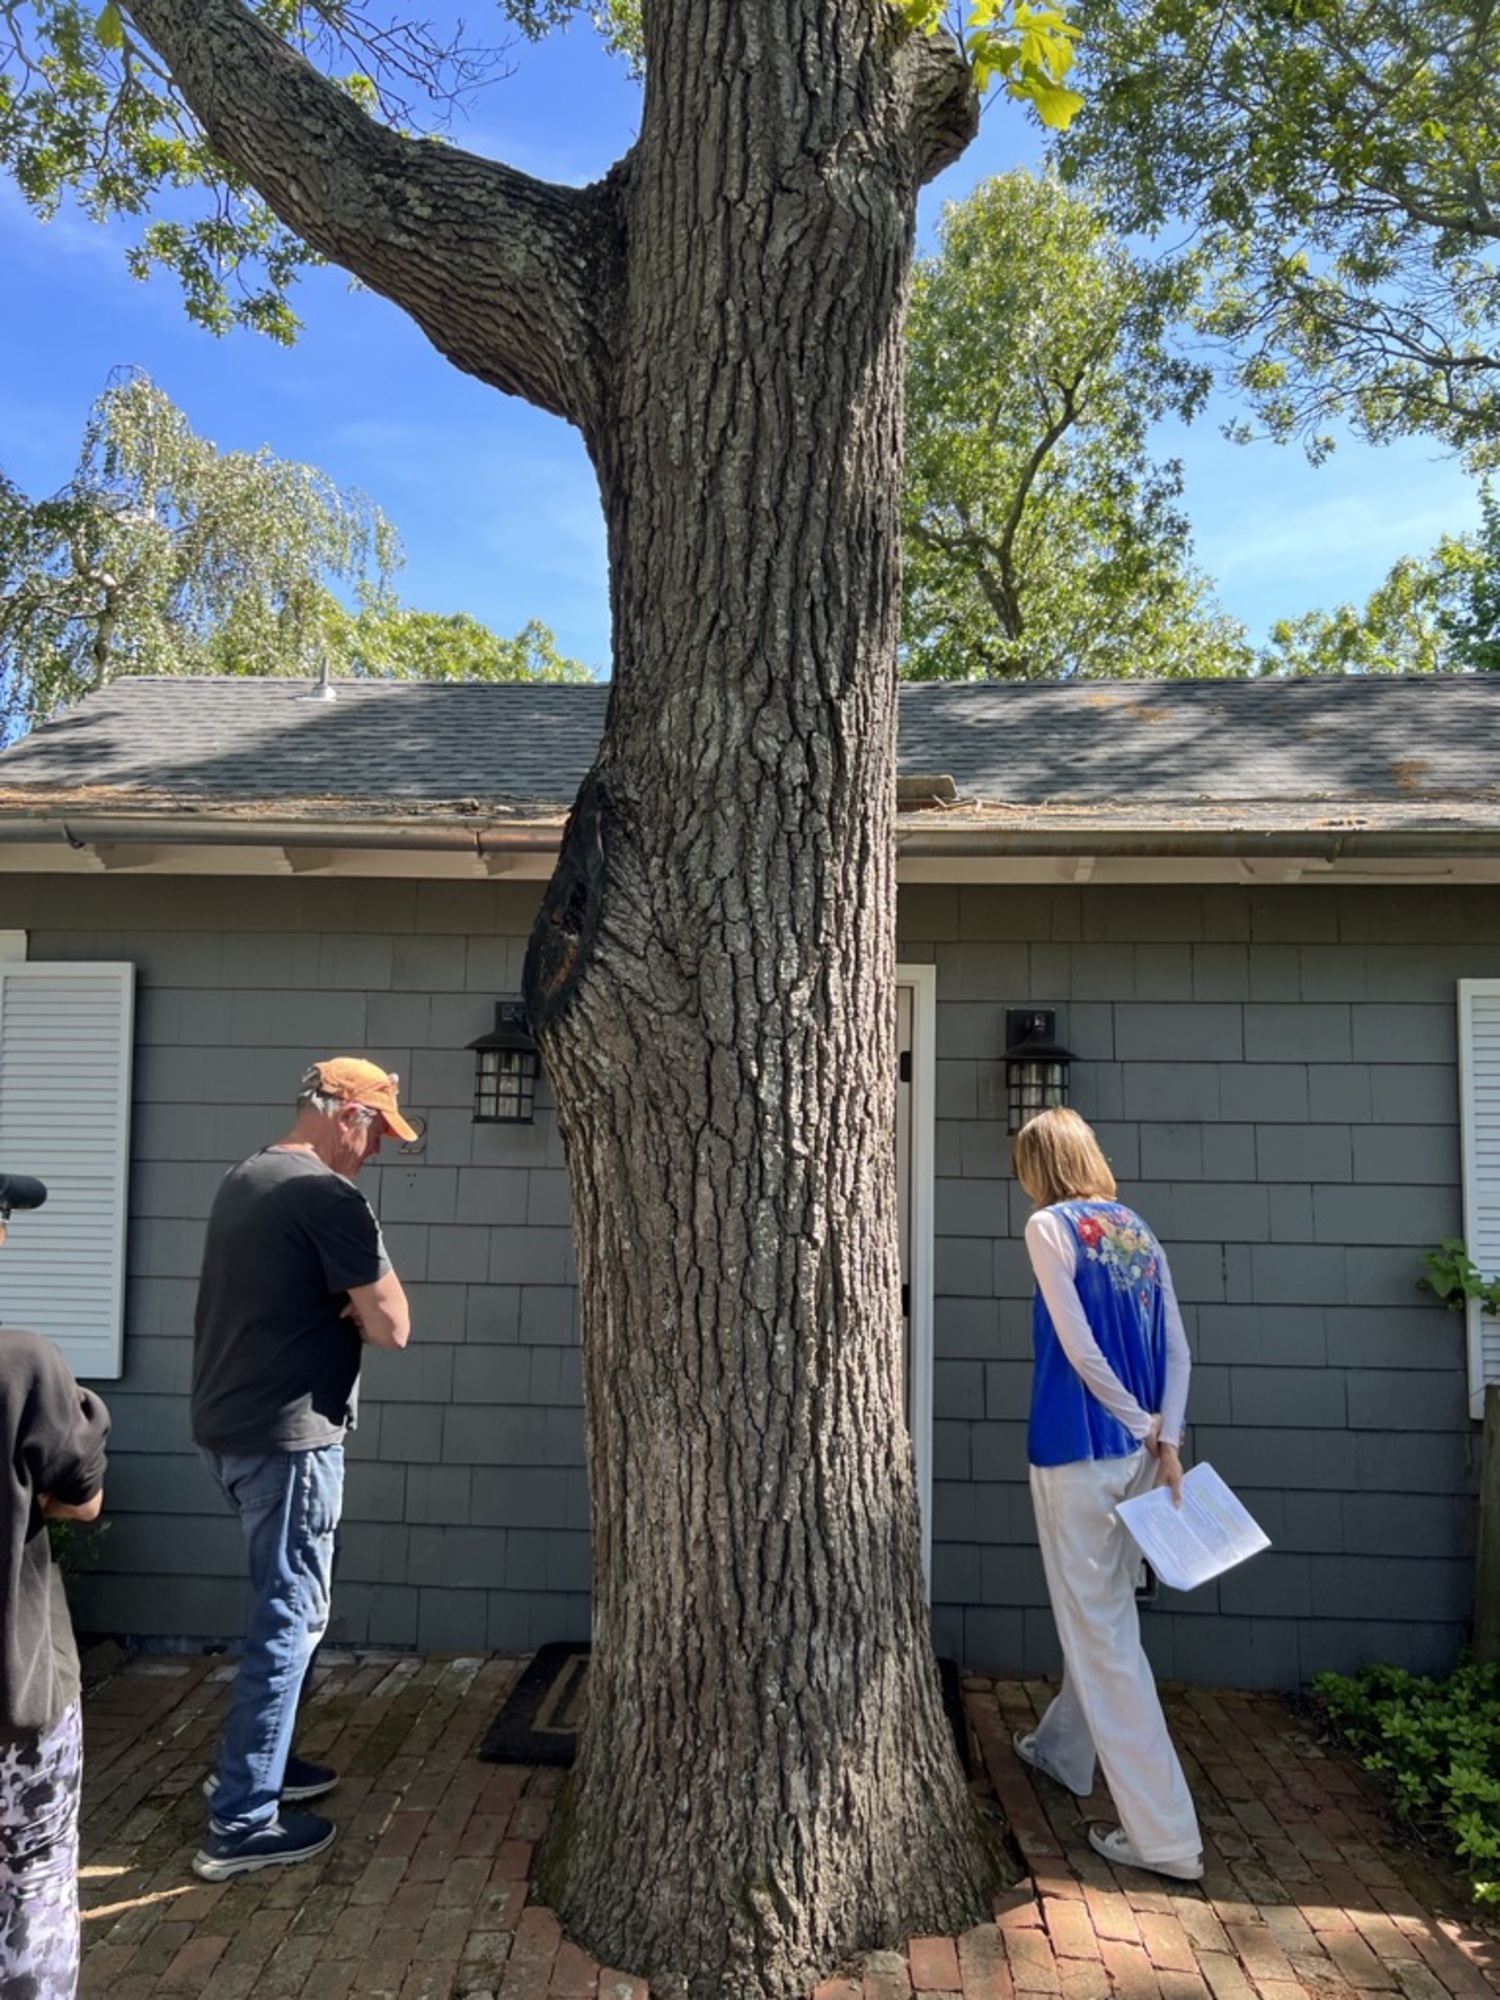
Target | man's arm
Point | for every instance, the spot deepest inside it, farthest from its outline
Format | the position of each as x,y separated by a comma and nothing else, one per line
59,1510
65,1448
380,1312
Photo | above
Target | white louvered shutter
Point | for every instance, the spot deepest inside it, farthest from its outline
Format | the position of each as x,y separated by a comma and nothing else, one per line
65,1047
1479,1097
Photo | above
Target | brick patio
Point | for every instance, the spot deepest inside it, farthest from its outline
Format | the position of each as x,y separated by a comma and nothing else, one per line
1308,1892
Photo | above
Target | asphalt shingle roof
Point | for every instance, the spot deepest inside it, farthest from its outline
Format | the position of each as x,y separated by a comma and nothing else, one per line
237,740
1190,754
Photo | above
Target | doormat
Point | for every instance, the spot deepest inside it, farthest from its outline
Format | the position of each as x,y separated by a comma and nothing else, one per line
539,1721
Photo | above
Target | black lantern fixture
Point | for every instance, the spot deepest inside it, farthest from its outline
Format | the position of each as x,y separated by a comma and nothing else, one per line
506,1067
1036,1065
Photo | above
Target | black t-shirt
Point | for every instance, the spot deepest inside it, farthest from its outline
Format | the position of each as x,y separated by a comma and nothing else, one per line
52,1435
275,1363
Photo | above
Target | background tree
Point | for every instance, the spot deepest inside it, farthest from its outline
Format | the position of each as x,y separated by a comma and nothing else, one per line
1401,628
1337,162
1472,622
393,642
1434,614
1042,539
765,1783
165,555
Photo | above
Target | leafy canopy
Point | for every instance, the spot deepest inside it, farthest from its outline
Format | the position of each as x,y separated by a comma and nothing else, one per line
394,642
164,555
87,113
1338,161
1043,540
1471,619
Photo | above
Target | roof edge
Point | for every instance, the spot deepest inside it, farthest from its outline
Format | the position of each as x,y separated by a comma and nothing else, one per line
1208,842
918,839
172,830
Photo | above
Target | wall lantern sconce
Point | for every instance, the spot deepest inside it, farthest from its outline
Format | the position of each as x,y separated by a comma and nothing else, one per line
506,1067
1036,1066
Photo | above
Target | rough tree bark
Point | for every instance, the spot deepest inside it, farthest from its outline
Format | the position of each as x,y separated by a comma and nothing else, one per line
766,1782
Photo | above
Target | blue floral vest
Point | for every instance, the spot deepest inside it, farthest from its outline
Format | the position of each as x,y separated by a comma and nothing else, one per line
1118,1276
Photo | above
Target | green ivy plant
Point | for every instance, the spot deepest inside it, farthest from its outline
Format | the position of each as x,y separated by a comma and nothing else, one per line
1454,1276
1436,1745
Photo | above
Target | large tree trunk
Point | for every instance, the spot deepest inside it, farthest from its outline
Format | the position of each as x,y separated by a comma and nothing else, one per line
766,1781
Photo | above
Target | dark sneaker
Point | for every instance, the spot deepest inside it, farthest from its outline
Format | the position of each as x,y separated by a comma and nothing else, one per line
303,1781
291,1836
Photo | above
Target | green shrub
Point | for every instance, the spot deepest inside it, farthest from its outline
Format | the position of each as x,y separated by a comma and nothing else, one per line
76,1544
1437,1746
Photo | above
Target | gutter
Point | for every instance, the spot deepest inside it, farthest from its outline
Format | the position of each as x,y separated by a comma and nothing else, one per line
1239,843
154,830
924,842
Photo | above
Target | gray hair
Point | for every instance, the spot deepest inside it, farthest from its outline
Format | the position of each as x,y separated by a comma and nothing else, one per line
310,1098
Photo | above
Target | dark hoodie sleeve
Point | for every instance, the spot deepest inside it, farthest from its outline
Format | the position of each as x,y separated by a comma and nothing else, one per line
64,1442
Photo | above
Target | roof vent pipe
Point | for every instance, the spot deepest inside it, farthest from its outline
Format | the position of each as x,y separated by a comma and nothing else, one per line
324,689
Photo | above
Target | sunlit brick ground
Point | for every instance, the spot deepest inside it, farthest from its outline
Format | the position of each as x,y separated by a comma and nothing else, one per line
425,1894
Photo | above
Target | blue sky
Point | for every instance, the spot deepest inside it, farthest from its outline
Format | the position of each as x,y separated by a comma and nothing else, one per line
495,502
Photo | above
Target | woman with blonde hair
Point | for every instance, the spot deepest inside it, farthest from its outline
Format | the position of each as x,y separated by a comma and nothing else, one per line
1108,1398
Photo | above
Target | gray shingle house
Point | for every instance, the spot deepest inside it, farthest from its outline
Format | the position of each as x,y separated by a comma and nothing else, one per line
1266,916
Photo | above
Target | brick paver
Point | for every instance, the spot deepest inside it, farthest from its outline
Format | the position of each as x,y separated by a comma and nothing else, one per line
1308,1893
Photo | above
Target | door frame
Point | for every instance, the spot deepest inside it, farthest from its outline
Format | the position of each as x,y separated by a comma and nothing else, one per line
921,982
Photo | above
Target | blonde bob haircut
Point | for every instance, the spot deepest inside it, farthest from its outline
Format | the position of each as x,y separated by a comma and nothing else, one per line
1057,1158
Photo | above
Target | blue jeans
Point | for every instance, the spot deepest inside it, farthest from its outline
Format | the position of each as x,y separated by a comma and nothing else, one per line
289,1504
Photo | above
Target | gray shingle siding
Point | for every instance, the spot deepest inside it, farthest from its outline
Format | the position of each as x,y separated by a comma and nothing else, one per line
1273,1075
1272,1072
434,1553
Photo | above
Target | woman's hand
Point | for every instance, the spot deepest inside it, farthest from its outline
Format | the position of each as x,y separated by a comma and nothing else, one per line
1169,1469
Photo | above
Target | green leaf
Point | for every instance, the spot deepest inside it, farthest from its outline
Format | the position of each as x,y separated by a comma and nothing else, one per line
109,27
1055,106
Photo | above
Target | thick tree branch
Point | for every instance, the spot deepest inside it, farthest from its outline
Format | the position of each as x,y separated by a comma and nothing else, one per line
1057,428
513,279
944,102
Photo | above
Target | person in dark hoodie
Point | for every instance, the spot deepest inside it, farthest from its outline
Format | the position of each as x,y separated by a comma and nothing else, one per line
52,1439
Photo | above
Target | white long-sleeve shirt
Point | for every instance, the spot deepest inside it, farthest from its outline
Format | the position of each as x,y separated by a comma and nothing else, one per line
1054,1258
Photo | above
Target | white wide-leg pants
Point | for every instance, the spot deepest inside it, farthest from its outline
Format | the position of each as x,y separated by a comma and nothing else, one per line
1108,1705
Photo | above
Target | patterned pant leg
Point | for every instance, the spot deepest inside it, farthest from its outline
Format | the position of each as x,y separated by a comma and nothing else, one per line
40,1779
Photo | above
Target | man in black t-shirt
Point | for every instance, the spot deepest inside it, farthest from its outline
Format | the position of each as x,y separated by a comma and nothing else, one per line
295,1278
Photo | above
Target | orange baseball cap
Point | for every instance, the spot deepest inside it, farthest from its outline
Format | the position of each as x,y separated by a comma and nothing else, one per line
360,1082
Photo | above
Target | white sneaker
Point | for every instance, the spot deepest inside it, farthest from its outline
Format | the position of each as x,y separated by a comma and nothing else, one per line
1114,1844
1026,1750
